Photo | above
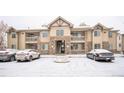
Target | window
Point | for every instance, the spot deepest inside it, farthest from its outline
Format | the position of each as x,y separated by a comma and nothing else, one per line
119,38
119,45
60,32
13,46
110,46
77,46
74,46
110,34
97,46
45,47
97,33
45,34
13,34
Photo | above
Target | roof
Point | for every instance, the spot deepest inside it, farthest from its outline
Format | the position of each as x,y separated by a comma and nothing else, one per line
104,27
81,28
115,30
60,18
87,26
10,29
23,30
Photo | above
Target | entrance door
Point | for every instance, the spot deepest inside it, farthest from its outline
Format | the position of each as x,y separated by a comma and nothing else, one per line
60,47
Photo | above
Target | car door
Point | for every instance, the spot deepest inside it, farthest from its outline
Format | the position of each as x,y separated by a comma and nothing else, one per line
35,54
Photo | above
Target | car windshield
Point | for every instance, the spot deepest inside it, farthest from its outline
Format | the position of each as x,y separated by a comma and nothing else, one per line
102,50
26,50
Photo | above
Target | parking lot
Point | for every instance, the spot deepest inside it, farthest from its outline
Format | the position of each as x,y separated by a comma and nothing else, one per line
77,66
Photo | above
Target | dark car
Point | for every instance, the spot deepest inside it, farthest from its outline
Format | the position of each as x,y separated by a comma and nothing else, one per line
7,54
101,54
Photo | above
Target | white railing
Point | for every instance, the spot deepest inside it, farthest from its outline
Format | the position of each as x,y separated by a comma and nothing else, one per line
31,39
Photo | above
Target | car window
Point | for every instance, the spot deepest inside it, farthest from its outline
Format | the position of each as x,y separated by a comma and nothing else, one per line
30,50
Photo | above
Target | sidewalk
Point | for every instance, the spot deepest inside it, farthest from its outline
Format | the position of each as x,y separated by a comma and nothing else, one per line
74,56
70,56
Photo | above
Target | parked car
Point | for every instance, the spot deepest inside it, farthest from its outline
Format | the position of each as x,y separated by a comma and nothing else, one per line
101,54
27,55
7,54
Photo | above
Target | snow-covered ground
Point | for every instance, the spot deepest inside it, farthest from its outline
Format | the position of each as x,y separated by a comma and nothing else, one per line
78,65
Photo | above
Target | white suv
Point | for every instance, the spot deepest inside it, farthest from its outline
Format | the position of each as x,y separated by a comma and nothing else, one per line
27,54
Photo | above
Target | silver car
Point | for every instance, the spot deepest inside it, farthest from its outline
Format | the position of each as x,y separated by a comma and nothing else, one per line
7,54
101,54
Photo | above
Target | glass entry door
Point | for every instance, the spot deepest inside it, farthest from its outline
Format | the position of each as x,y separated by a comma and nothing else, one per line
60,47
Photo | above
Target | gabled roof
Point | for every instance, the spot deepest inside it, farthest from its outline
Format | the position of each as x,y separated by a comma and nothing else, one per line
60,18
10,29
104,27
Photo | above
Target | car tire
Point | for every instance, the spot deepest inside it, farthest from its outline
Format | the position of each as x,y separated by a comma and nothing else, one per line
110,60
30,58
18,60
38,56
12,58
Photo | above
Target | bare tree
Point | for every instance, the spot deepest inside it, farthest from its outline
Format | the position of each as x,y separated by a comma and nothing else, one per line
3,35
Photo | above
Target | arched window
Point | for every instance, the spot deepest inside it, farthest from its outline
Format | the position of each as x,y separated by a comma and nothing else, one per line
13,34
97,33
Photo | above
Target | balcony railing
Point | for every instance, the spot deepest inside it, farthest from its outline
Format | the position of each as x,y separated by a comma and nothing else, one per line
31,39
77,38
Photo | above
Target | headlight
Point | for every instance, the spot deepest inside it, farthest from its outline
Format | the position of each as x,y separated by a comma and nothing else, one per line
100,55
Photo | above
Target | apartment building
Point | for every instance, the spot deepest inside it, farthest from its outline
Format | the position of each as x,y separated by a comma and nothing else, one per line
62,37
123,43
119,43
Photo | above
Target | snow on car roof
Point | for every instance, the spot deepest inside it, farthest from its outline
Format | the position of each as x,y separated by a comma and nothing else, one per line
100,51
27,49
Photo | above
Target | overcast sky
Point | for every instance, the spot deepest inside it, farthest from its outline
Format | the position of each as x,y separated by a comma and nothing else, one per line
20,22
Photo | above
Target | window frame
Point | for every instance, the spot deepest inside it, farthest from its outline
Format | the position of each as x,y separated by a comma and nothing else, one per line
45,34
13,46
43,46
97,46
96,33
110,34
60,32
13,34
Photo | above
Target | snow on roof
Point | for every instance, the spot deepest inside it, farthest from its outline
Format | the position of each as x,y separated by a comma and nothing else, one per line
115,30
83,26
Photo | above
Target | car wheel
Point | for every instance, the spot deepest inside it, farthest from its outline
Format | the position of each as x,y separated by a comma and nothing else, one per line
38,56
30,59
18,60
12,58
110,60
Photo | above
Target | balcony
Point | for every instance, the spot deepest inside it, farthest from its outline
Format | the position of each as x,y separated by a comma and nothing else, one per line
32,39
77,38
